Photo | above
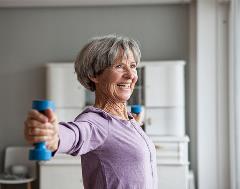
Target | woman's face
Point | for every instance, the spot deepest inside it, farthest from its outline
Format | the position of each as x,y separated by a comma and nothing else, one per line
117,82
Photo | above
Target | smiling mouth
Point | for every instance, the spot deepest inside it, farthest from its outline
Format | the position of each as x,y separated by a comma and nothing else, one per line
124,85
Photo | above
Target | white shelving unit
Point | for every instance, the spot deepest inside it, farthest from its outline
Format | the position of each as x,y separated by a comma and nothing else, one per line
164,98
64,90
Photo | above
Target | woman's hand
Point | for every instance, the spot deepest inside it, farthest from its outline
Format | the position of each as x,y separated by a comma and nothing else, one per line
42,128
139,117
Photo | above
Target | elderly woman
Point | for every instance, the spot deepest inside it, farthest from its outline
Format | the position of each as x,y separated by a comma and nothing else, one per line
115,151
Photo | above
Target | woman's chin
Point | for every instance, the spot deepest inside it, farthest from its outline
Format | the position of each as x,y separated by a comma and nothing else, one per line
124,99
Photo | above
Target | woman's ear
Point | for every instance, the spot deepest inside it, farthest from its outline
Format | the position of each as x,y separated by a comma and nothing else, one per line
94,79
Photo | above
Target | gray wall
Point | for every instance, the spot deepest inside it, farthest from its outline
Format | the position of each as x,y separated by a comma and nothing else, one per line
31,37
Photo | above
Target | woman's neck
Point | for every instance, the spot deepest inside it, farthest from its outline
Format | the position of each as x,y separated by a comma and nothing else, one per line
109,105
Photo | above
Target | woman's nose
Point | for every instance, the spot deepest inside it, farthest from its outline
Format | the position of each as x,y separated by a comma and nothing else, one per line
129,73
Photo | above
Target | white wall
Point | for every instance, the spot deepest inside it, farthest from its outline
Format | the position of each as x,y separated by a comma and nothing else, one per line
30,37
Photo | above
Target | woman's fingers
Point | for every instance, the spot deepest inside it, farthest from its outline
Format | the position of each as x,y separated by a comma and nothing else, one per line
37,124
36,139
50,115
40,132
37,129
37,116
139,117
42,128
34,135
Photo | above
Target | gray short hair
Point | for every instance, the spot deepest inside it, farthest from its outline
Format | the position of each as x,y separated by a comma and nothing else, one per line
100,53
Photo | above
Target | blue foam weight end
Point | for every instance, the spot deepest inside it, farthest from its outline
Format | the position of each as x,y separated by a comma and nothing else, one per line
42,105
40,152
136,109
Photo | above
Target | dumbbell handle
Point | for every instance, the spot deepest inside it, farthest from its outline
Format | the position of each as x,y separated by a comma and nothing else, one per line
40,152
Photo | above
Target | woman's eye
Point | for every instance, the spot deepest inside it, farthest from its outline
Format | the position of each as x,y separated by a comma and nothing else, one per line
133,66
118,66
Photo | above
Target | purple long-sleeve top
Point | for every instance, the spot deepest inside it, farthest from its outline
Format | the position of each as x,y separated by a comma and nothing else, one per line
115,153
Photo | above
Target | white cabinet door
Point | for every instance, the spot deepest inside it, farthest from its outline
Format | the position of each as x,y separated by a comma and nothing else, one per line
167,121
164,84
61,177
63,87
61,172
172,161
172,176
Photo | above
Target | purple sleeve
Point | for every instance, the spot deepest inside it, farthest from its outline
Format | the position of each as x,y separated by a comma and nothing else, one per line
80,137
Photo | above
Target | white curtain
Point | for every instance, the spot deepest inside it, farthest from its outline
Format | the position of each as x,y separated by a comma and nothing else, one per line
237,85
235,93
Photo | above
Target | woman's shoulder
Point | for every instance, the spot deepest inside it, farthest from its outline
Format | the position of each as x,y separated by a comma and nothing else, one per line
92,114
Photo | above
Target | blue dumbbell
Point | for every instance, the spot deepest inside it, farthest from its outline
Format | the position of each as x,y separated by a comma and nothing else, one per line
40,152
136,109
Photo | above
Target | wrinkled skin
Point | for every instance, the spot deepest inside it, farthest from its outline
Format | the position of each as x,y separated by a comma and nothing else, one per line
115,85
